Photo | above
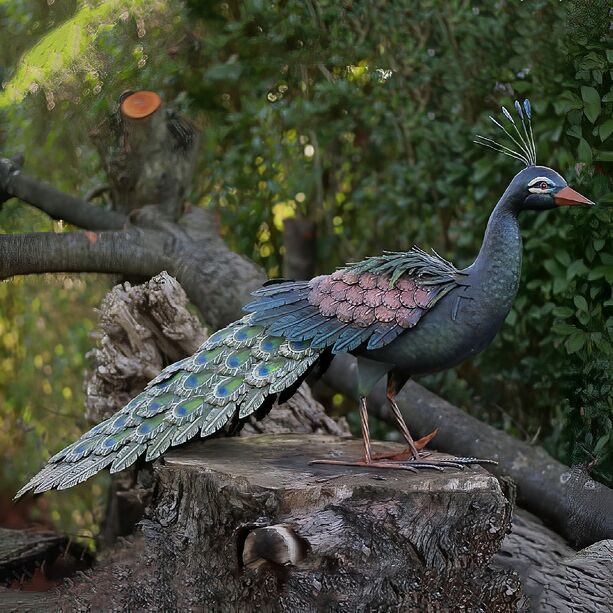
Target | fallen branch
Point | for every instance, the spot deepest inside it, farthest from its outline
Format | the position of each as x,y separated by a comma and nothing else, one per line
121,252
190,250
554,576
57,204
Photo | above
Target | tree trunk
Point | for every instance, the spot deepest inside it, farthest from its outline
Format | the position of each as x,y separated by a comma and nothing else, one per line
247,524
149,154
300,242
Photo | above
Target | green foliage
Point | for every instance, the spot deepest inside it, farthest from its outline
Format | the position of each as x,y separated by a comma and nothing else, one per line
44,335
359,116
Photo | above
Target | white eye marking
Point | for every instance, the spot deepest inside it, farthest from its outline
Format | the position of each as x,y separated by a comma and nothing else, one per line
541,180
541,185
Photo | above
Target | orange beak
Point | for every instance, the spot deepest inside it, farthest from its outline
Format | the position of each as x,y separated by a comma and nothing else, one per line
567,196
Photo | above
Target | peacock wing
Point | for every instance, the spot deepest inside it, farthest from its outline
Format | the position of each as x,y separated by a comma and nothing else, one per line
369,303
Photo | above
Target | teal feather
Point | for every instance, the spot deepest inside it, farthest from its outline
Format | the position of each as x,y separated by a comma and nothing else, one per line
127,456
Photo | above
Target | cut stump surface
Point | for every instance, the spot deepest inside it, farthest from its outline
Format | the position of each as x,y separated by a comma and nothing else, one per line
247,524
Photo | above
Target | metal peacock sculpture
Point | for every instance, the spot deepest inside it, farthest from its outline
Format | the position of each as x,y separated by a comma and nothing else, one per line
401,314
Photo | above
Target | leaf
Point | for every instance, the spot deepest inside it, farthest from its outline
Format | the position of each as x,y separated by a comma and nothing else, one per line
590,95
604,156
605,129
584,152
575,342
576,268
553,268
563,257
559,285
584,318
581,303
601,443
591,103
565,102
563,328
563,312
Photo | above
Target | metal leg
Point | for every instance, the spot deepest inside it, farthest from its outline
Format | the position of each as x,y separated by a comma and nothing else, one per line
365,431
404,429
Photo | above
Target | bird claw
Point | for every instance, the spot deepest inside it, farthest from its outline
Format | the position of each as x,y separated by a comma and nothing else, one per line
412,465
442,463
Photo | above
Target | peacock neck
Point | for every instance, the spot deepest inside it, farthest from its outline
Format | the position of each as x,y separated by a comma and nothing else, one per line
498,265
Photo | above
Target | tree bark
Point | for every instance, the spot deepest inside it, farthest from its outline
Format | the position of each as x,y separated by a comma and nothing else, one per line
554,576
247,524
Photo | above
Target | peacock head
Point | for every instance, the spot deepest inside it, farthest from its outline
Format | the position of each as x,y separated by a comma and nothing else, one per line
535,188
539,188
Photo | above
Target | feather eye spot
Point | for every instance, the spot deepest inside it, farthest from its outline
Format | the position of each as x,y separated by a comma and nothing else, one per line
191,382
187,407
299,345
121,421
218,336
234,362
228,386
271,343
263,371
144,428
108,442
247,332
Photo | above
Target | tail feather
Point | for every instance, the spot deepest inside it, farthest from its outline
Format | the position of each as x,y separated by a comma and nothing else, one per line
235,373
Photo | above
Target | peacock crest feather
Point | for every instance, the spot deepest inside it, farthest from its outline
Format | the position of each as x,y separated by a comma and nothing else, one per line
523,147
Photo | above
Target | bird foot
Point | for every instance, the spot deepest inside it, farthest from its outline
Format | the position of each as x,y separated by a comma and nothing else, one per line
401,456
409,453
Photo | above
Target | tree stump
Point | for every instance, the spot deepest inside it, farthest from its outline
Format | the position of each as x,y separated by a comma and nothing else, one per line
247,524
